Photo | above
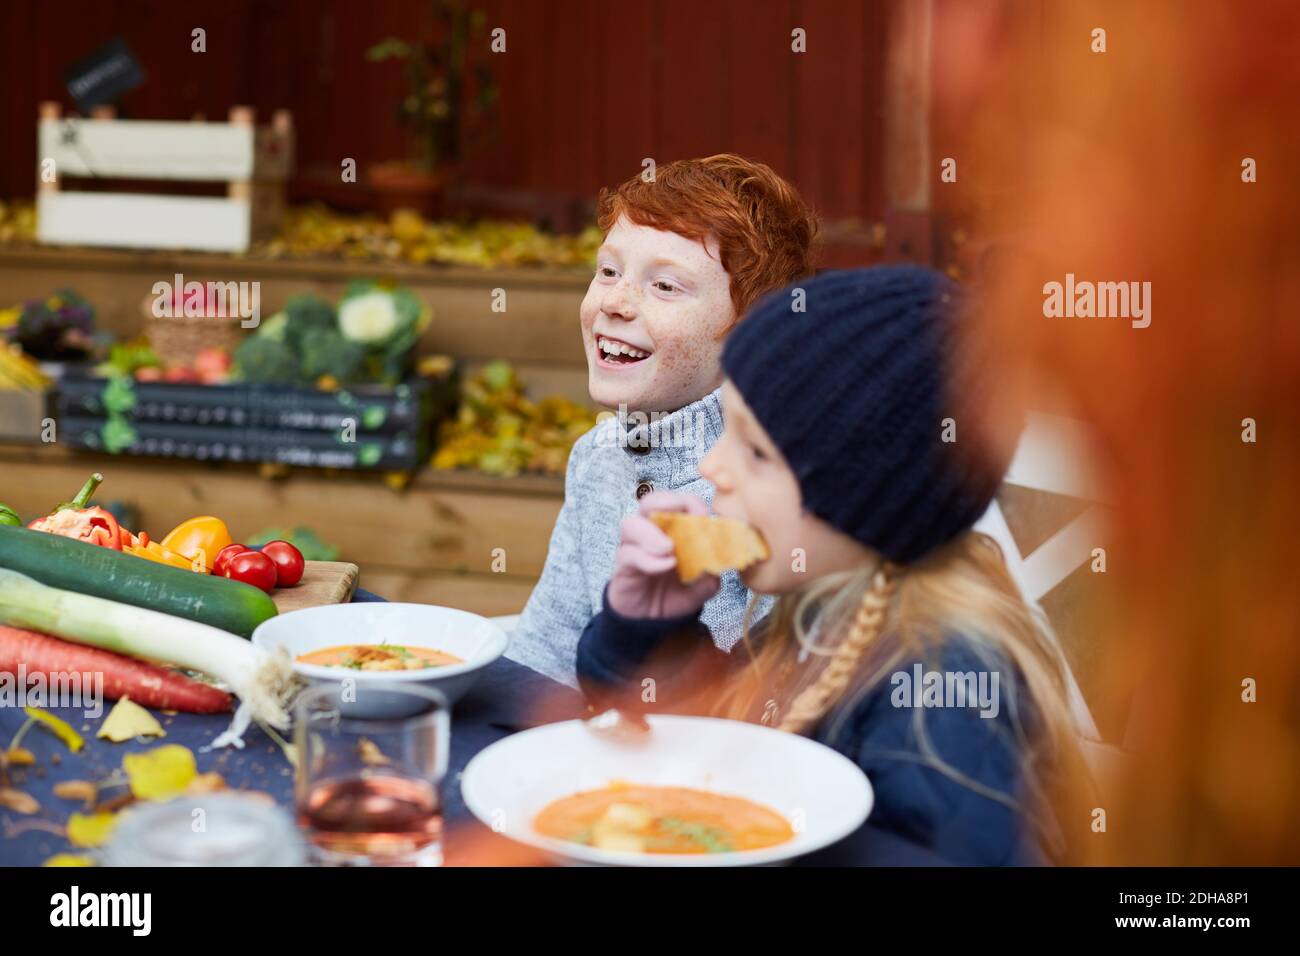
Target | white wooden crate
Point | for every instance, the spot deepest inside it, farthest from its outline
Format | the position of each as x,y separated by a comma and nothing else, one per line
254,163
140,221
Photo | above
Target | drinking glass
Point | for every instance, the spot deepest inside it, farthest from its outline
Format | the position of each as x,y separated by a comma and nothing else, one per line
227,828
371,763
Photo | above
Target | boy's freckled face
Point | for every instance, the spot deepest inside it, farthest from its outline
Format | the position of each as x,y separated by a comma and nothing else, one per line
654,318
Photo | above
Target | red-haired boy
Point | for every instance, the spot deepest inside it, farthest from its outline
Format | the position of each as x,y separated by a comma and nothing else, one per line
684,256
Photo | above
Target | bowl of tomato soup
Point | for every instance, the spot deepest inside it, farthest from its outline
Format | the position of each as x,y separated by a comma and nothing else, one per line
693,791
368,647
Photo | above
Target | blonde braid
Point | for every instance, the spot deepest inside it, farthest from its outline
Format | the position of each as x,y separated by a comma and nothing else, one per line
812,703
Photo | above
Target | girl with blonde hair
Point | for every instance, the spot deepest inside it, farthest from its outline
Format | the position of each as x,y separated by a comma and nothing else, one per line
852,444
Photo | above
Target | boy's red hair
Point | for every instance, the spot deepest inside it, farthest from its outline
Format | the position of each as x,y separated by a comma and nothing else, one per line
764,230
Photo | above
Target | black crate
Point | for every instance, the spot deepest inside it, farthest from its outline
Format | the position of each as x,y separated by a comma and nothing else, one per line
387,452
406,408
370,427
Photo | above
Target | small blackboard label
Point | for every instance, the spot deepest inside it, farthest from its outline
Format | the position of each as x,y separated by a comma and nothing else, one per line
103,76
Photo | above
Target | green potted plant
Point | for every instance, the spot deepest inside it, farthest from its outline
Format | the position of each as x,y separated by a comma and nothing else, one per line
448,92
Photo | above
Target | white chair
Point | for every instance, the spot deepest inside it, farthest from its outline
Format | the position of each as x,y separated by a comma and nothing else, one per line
1053,456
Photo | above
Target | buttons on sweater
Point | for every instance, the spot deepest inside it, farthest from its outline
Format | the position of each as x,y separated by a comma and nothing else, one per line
643,488
638,445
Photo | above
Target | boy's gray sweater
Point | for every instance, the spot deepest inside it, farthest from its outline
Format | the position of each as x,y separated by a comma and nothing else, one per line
609,468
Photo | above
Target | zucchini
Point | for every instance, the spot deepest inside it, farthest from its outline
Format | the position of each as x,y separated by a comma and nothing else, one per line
102,572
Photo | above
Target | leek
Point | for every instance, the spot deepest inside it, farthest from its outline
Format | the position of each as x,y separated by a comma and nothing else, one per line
261,681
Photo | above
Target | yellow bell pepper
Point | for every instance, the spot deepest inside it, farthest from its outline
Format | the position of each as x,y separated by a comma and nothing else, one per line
199,539
153,551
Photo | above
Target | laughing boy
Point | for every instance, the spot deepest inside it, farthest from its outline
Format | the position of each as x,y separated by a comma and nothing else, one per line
684,257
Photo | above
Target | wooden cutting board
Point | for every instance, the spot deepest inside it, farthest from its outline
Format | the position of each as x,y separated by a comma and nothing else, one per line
323,582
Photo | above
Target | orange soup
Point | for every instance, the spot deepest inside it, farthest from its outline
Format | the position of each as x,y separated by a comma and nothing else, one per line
379,657
646,819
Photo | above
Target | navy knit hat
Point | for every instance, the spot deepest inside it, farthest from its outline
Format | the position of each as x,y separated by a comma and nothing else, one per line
854,391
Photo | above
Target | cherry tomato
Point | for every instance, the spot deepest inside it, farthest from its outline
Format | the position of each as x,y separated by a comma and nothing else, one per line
224,556
252,568
288,562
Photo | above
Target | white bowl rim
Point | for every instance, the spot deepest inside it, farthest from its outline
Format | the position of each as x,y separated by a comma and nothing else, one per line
495,648
780,853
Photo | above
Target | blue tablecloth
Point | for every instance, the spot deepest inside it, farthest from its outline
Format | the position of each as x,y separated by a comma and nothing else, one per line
503,701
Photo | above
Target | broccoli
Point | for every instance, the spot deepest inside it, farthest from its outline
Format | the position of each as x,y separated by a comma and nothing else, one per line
326,352
304,343
275,327
307,314
262,359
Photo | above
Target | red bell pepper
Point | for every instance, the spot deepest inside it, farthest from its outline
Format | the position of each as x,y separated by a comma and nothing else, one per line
93,525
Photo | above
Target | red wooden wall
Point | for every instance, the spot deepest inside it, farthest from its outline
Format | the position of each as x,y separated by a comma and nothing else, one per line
588,87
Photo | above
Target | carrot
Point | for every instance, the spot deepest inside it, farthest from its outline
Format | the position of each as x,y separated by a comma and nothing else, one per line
147,684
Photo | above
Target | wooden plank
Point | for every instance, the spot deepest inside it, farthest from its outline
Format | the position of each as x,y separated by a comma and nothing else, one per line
148,149
536,324
542,380
20,51
533,42
454,526
136,220
763,66
180,81
575,131
575,279
540,325
266,209
536,486
872,159
696,66
273,149
627,95
908,168
323,582
566,64
504,142
486,594
831,79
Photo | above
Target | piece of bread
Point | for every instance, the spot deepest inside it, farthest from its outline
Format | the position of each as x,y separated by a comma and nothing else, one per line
706,544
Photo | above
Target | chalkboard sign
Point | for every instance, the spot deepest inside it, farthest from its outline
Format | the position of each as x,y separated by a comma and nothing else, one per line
103,76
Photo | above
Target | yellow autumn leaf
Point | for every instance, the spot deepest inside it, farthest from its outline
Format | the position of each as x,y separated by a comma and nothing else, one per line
128,720
69,859
19,757
209,782
91,829
18,801
161,773
60,728
82,790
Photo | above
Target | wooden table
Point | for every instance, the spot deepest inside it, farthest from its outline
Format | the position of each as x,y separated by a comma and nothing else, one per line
504,700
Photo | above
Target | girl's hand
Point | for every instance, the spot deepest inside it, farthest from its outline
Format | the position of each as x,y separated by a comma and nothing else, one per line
645,584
